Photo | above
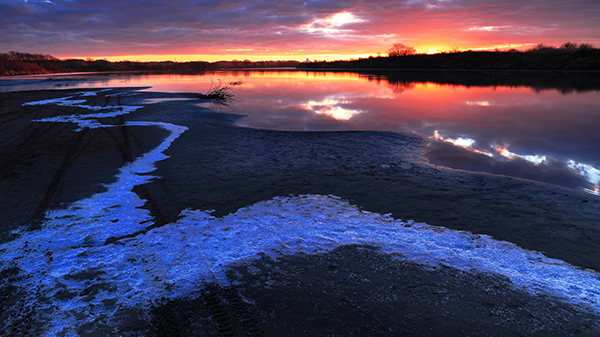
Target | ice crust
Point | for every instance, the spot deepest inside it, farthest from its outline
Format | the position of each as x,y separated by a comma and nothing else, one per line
176,259
84,121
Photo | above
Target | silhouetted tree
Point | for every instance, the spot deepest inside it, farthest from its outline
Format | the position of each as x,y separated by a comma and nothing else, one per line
399,49
569,46
585,46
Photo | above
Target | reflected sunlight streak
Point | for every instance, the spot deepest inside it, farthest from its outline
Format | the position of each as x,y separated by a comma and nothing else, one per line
331,107
591,173
479,103
466,143
536,159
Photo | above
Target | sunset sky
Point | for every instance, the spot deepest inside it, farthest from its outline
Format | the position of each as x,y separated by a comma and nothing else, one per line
211,30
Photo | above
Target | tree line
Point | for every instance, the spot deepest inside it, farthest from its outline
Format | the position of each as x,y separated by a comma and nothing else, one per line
17,63
569,56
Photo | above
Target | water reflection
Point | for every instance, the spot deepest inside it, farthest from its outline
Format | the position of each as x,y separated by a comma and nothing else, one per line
536,159
466,143
535,132
540,126
332,107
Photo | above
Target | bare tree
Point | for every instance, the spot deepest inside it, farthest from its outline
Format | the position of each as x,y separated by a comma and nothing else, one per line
569,46
399,49
585,46
455,49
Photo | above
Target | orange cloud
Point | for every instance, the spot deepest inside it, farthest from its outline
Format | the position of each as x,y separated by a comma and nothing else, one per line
324,29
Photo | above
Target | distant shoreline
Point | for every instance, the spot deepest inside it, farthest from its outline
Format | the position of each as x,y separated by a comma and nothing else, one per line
549,59
452,70
17,63
332,69
582,58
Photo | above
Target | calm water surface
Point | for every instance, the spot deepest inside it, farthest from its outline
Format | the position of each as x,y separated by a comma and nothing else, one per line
540,132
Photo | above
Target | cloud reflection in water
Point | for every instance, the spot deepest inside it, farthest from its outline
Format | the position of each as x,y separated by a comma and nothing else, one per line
545,129
549,121
333,108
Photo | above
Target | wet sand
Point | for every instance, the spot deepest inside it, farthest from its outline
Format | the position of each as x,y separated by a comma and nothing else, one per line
353,290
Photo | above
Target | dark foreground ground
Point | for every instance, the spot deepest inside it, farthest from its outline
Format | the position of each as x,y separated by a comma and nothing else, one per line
357,291
350,291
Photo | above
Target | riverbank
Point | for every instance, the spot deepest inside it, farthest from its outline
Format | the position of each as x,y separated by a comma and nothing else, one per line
541,58
320,285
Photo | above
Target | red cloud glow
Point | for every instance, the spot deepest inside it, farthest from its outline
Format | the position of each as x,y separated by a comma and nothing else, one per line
268,29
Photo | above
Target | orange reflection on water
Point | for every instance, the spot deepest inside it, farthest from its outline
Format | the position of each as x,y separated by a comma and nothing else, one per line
543,128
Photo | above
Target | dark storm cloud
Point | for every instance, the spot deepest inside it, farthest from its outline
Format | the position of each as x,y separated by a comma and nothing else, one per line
30,23
113,14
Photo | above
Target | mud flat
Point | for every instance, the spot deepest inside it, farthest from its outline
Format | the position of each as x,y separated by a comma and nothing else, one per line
128,212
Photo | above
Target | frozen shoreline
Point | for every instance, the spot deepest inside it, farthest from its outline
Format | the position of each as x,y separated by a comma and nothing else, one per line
213,156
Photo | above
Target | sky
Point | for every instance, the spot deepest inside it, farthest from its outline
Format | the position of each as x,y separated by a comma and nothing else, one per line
212,30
